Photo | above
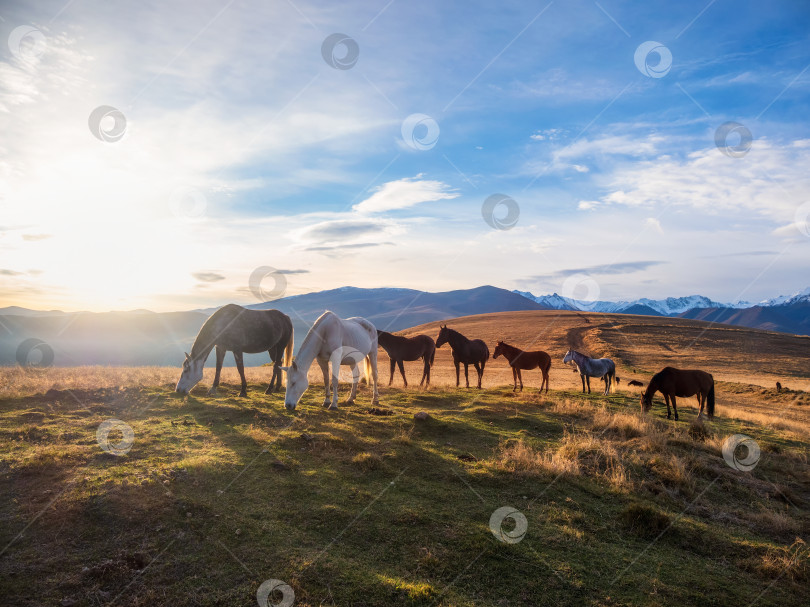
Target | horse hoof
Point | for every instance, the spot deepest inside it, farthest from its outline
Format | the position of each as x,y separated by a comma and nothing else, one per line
333,408
212,392
327,403
348,402
243,395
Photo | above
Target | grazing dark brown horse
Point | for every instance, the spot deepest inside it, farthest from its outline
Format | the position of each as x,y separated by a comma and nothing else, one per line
518,359
635,382
239,330
467,351
401,348
672,382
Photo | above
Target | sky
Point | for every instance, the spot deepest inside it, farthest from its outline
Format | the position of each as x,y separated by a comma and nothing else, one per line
181,155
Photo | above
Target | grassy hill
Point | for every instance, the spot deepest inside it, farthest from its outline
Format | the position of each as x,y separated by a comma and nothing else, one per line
373,507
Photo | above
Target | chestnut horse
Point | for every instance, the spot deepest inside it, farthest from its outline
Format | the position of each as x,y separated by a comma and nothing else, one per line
518,359
401,348
468,351
672,382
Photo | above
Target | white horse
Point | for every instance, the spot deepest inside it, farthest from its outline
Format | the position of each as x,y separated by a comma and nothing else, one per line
592,367
341,342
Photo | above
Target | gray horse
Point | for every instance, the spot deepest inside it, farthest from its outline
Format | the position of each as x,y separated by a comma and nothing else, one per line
239,330
592,367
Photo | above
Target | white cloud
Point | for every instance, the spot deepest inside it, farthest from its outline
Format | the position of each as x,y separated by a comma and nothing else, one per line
404,193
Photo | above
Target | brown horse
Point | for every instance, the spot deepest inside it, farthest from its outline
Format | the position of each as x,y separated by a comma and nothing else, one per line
401,348
672,382
518,359
467,351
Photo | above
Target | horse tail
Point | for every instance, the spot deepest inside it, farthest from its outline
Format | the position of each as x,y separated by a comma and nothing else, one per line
367,369
710,401
288,349
432,354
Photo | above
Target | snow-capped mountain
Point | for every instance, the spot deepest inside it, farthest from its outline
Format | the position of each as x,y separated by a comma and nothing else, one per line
670,306
786,300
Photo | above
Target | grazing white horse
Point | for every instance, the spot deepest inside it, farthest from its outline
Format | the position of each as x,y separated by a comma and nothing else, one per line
341,342
592,367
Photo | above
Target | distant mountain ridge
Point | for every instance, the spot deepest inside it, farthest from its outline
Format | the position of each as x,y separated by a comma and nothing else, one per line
141,337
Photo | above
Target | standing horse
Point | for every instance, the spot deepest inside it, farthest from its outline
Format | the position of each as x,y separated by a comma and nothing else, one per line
518,359
339,341
468,351
239,330
400,349
672,382
592,367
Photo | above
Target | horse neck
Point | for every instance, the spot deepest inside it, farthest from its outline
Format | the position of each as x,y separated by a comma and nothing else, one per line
652,388
456,339
204,342
311,346
510,352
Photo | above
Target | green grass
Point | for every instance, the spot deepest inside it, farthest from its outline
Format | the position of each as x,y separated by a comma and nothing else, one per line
217,495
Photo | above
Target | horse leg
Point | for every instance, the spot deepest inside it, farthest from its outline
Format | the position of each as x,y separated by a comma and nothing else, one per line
324,365
666,400
588,379
402,372
545,379
607,384
424,370
375,394
675,407
276,370
458,371
520,379
514,379
212,391
467,373
701,401
240,365
582,377
333,382
393,364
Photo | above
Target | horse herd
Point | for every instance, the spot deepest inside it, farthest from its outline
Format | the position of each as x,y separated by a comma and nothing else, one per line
352,341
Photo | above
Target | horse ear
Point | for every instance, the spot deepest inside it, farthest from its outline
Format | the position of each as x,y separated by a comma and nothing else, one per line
188,356
285,369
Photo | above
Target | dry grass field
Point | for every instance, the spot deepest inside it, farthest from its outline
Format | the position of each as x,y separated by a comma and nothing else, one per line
371,507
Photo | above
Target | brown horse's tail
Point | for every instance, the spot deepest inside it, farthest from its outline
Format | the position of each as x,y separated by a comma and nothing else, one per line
710,401
432,355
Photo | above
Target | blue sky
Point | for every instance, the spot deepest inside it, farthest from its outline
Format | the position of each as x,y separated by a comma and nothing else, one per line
243,147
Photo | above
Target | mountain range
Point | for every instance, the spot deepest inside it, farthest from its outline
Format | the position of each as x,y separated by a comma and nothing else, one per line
141,337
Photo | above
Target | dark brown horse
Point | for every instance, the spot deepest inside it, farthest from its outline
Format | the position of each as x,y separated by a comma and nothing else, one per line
467,351
672,382
401,348
518,359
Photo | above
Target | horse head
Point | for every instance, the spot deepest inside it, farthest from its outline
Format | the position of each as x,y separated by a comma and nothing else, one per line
498,350
297,384
569,356
646,403
191,375
444,334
